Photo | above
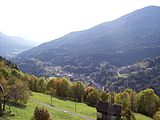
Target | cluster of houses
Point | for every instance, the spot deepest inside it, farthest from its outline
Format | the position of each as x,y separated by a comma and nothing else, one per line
59,72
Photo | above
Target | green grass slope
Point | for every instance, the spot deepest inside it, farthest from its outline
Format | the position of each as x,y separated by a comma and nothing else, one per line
142,117
27,112
83,109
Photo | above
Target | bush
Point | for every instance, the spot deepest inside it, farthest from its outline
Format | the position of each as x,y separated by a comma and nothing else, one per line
41,113
127,114
157,116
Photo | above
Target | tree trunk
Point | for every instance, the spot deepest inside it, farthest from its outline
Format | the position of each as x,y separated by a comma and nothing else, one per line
1,105
51,100
4,102
4,105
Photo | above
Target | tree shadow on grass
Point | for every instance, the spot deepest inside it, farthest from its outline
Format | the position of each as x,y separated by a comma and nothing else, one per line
61,98
6,115
17,105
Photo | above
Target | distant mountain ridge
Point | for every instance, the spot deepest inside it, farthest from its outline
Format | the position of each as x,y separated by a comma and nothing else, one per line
121,42
12,46
136,30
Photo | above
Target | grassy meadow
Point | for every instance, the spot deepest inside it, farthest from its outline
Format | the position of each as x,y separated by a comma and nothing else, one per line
68,105
25,113
142,117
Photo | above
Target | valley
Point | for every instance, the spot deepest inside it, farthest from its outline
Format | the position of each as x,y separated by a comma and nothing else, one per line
12,46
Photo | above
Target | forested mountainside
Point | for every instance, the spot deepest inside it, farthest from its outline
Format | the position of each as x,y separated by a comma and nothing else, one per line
138,76
12,46
141,75
97,54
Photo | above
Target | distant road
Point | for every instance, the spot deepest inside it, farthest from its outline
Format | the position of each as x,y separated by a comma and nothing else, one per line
62,110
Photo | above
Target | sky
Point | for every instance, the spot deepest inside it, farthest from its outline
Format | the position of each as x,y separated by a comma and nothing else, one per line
44,20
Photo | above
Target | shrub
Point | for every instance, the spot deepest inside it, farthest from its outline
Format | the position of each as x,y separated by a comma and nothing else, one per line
41,113
157,116
127,114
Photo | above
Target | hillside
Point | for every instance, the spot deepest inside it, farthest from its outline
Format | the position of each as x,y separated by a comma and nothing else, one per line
26,113
96,54
141,75
12,46
22,113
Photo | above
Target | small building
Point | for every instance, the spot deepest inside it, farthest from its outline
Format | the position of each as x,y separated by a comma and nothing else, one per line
108,111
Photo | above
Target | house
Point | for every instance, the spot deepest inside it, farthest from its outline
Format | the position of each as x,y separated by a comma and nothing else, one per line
108,111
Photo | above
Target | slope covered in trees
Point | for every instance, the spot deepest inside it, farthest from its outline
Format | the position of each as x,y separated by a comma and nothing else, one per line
141,75
14,85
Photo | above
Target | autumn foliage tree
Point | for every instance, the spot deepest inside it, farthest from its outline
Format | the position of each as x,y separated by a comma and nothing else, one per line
123,99
104,96
15,85
78,91
147,102
93,97
65,87
126,99
41,85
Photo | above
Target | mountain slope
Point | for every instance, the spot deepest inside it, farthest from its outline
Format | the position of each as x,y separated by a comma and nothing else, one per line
141,75
11,46
110,45
115,41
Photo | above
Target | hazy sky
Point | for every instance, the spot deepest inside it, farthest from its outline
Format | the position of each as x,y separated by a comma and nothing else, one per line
44,20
